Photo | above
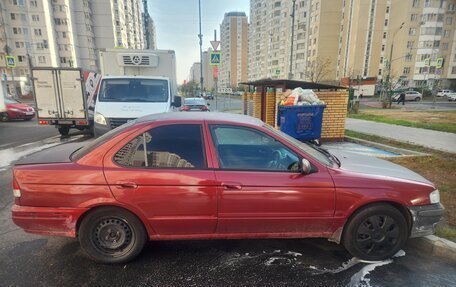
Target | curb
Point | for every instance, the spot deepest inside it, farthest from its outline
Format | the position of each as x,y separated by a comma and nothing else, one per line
435,246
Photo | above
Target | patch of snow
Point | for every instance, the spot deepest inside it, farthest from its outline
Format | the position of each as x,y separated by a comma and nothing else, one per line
294,254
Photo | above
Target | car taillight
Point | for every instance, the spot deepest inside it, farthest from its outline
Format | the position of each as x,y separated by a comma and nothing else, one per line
16,191
43,122
204,108
185,108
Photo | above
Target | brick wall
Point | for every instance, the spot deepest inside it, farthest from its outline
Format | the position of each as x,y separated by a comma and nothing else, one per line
333,126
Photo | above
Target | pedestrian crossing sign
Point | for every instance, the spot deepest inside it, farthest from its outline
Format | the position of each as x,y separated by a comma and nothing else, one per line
216,58
10,61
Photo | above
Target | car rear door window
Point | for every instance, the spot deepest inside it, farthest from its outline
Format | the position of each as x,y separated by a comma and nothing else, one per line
169,146
240,148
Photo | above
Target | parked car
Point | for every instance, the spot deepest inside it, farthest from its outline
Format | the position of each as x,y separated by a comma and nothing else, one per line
443,93
16,110
195,105
451,96
209,96
212,176
409,96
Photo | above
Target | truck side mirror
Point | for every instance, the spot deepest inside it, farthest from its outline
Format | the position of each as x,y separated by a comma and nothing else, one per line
177,101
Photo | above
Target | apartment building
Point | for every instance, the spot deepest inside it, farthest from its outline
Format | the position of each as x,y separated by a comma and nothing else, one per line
195,73
208,71
63,33
353,38
233,42
150,34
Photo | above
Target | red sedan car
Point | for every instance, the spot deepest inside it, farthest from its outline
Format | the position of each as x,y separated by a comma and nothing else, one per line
17,110
217,175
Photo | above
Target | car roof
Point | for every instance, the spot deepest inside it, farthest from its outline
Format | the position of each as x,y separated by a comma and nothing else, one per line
194,99
203,116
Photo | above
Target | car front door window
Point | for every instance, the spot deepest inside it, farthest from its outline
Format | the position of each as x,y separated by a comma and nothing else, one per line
240,148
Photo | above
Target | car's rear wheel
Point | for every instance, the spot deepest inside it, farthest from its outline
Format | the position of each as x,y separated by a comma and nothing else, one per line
376,232
112,235
417,99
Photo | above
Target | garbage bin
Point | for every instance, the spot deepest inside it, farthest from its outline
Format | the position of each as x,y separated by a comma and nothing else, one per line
301,122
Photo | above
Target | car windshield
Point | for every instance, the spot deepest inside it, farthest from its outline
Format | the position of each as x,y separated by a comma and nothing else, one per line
195,102
134,90
11,101
319,154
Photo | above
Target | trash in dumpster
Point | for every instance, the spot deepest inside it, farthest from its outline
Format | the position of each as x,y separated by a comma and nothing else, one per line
300,97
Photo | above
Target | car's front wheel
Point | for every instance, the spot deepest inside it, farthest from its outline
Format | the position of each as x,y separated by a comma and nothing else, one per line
112,235
376,232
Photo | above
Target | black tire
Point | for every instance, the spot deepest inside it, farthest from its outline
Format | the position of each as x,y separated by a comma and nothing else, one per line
28,119
376,232
112,235
64,130
417,99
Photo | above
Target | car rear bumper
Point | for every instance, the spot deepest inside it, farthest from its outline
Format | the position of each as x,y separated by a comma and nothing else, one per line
425,218
47,220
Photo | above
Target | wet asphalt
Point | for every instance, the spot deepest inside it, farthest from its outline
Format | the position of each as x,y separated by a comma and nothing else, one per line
27,259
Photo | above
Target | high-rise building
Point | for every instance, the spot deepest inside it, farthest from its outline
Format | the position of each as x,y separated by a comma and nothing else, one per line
353,38
151,37
208,71
233,41
64,33
195,73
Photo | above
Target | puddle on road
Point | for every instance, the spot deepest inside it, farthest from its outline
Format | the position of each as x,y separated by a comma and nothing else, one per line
9,155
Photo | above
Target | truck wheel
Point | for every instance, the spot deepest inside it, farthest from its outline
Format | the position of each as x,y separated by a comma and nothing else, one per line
112,235
64,130
375,233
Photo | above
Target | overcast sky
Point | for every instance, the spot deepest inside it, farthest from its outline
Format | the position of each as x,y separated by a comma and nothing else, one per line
177,27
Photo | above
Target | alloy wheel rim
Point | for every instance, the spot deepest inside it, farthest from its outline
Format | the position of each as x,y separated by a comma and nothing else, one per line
377,235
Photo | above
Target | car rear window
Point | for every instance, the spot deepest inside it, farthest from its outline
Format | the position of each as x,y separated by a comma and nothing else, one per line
80,153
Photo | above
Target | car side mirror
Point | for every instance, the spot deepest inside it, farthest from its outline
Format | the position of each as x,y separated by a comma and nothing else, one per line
306,166
177,101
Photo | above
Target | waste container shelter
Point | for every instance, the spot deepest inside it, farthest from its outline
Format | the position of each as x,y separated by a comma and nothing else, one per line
263,98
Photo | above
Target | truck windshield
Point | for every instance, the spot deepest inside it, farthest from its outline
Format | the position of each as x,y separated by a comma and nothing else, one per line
134,90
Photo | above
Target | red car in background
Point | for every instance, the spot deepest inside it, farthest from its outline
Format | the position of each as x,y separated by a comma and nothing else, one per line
217,175
16,110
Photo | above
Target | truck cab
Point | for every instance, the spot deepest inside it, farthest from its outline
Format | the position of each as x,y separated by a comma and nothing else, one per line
124,98
135,83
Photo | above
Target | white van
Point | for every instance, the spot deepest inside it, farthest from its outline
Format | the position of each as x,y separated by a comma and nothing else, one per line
124,98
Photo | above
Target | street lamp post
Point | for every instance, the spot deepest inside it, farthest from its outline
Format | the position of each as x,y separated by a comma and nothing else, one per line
200,35
388,77
290,74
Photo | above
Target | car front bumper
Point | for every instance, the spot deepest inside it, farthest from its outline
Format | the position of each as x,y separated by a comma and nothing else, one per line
425,218
47,220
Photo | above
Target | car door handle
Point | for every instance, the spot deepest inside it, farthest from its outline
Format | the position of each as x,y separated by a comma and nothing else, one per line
127,185
232,185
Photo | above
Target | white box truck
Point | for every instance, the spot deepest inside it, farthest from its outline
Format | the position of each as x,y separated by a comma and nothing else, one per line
134,83
65,97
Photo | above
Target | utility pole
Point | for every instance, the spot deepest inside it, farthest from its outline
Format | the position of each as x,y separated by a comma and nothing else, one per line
290,74
200,35
388,77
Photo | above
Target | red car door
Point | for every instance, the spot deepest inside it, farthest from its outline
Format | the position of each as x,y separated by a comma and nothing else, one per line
261,188
163,173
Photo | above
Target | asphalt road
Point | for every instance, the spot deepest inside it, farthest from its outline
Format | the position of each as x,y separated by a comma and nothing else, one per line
20,132
27,259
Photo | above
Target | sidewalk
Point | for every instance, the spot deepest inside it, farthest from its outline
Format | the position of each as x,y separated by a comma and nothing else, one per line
427,138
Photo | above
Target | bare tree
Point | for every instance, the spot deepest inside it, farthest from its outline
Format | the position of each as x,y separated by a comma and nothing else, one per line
319,70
